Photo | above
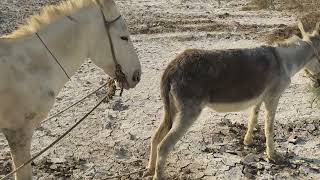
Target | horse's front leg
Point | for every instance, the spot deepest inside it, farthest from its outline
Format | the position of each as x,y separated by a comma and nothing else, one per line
20,144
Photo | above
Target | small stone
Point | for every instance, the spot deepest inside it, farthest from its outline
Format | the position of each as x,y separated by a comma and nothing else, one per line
58,160
132,137
108,125
294,139
53,167
250,158
260,166
311,128
121,153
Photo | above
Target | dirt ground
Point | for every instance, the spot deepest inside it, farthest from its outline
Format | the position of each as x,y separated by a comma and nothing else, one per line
115,139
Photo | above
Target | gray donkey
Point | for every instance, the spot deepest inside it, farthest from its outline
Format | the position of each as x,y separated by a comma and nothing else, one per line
226,81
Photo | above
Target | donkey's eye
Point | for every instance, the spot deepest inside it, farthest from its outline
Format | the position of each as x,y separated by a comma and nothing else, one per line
125,38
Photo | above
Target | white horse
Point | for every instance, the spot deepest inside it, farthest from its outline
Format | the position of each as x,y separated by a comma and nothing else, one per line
228,80
38,58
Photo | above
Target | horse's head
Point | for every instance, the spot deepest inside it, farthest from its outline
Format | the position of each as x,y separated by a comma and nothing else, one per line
312,69
113,50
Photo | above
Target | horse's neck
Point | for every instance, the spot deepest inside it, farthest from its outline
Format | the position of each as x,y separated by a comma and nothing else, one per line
295,57
64,38
69,43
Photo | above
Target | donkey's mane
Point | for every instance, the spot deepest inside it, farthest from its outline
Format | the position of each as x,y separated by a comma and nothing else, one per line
48,14
288,42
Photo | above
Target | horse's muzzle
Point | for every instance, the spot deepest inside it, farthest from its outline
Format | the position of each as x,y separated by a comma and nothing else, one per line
136,76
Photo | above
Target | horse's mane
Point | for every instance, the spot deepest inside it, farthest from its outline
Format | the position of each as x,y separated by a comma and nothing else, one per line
48,14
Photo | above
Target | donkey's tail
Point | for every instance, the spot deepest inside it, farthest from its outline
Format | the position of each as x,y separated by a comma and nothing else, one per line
165,95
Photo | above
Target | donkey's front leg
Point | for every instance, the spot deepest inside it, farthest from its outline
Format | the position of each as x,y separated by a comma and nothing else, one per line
252,122
271,107
20,143
183,120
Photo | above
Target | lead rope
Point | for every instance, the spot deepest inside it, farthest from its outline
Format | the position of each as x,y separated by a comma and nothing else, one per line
65,72
72,105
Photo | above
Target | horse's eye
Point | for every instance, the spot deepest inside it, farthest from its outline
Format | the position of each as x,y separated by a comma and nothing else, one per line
125,38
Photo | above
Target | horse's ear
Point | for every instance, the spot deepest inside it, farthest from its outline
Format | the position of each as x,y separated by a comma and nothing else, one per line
301,28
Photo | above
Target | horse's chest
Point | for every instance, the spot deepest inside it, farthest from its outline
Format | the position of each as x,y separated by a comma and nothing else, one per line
20,106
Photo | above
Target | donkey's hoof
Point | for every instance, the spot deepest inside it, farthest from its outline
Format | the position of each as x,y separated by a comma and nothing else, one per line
157,178
148,173
277,158
248,141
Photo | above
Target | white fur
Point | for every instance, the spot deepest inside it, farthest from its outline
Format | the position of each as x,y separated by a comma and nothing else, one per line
30,78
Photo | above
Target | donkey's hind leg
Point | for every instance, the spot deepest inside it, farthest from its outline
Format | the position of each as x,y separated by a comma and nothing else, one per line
20,143
183,120
161,132
252,122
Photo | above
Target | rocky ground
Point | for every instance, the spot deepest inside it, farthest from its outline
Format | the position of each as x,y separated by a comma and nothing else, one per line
115,139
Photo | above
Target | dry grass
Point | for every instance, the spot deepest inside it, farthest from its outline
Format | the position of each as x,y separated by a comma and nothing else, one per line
315,95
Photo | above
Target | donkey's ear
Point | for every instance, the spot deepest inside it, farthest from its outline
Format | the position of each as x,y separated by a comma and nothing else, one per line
317,29
301,28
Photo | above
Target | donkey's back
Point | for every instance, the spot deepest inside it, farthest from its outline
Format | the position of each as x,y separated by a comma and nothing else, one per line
222,76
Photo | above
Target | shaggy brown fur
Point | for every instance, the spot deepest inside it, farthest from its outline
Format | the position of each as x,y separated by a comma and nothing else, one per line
191,71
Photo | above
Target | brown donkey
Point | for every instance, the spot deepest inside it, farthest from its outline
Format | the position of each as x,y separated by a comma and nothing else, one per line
226,81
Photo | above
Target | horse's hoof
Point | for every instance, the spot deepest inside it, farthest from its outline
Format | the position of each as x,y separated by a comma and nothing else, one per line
149,172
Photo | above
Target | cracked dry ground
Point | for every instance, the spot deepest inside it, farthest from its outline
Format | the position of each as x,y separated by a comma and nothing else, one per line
116,138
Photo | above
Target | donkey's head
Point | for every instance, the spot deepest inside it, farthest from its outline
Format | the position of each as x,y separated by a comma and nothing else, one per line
112,47
312,69
313,37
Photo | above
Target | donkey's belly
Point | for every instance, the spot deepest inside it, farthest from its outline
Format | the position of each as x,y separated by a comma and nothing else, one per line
234,106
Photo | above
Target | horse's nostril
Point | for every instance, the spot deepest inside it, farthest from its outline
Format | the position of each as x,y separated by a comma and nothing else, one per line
136,76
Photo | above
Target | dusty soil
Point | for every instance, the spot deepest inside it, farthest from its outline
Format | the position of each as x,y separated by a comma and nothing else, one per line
115,139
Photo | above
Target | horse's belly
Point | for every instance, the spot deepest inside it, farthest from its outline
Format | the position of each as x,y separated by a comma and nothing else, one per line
234,106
